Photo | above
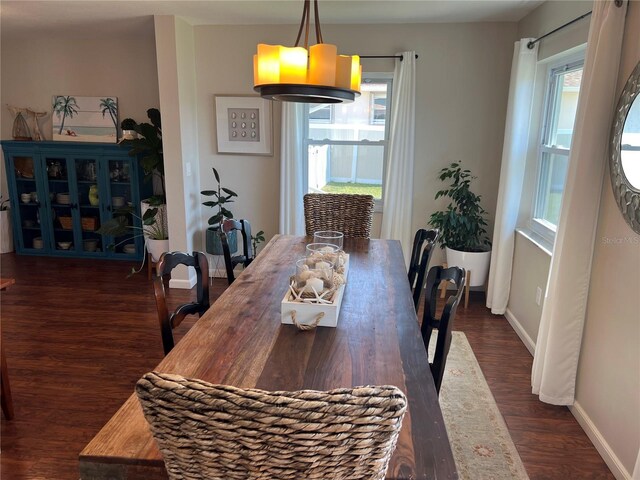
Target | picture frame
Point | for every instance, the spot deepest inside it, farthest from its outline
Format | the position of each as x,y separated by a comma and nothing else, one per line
84,119
243,125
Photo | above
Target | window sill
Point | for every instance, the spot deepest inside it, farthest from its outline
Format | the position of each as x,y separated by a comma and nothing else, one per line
538,240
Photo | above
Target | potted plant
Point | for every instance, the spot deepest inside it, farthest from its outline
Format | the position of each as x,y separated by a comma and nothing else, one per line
148,145
256,240
6,232
463,225
154,232
128,126
221,197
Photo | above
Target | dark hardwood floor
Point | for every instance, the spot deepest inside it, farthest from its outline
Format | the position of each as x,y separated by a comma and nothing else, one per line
77,335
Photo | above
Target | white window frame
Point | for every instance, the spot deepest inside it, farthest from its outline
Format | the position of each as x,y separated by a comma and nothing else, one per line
537,224
383,77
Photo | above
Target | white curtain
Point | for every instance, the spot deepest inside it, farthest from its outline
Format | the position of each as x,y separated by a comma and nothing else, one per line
514,156
398,187
636,470
555,361
291,170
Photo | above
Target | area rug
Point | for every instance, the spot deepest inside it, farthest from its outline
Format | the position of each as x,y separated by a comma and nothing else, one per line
480,440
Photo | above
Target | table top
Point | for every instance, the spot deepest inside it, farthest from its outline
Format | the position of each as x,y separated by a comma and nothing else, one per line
240,341
6,282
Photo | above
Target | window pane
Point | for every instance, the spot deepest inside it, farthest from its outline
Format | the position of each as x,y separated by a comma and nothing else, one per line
552,179
346,169
364,118
565,103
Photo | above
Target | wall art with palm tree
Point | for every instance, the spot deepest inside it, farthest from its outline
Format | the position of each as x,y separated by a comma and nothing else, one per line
85,119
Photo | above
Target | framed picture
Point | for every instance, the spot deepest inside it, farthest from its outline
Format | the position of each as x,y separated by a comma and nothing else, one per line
85,119
243,125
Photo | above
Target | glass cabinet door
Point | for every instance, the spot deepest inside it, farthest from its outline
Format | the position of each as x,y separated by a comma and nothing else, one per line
86,173
60,197
28,213
120,203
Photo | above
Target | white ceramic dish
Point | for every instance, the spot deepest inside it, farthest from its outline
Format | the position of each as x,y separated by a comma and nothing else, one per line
129,248
63,198
38,243
117,202
64,245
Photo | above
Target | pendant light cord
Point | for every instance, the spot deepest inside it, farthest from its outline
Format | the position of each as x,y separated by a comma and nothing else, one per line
304,23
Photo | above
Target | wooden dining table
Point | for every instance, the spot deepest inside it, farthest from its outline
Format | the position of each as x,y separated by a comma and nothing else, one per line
240,341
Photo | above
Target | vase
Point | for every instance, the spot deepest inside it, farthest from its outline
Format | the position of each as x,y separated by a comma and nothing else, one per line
94,200
156,248
214,244
475,262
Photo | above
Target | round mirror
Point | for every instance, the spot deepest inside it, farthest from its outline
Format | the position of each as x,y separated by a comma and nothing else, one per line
625,152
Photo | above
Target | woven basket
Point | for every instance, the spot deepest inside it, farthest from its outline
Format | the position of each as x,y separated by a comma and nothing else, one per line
66,222
89,224
207,431
347,213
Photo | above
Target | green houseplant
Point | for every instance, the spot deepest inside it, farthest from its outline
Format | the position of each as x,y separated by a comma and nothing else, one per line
222,197
462,224
148,147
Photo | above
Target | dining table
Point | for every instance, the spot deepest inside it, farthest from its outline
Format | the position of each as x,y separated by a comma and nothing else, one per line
241,341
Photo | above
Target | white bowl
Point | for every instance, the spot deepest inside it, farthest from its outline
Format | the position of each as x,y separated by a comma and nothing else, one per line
25,197
38,243
129,248
63,198
64,245
117,201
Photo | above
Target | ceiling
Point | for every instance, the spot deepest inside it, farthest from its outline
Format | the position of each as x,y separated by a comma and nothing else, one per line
99,16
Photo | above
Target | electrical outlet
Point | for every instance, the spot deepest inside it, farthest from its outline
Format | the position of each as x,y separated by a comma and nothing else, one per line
188,169
538,296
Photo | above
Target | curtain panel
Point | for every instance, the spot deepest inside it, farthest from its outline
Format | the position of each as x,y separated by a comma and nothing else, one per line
514,159
292,170
398,185
555,362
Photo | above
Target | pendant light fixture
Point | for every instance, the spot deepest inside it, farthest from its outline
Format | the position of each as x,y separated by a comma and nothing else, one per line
315,74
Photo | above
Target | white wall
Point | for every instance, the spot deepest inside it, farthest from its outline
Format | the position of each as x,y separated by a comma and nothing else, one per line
462,86
39,65
176,78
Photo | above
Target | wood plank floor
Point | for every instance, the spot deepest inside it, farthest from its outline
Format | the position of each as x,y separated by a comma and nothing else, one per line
77,335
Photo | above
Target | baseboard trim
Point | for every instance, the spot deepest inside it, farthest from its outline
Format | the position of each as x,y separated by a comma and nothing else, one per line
603,448
185,284
520,331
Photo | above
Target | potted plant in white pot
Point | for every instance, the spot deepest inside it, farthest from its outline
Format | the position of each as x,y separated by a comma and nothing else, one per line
463,225
221,197
148,144
6,232
154,231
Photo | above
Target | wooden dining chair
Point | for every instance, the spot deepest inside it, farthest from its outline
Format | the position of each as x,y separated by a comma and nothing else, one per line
423,245
219,431
168,261
245,259
443,324
347,213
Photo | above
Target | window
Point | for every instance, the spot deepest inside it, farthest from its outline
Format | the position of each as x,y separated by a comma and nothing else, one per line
346,144
553,154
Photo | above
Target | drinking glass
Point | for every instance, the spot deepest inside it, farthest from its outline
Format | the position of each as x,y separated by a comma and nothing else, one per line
329,236
318,276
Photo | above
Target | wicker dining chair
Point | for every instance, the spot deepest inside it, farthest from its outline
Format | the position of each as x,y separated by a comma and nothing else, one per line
207,431
168,261
423,244
346,213
444,324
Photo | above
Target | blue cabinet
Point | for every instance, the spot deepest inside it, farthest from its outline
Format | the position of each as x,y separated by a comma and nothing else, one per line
61,192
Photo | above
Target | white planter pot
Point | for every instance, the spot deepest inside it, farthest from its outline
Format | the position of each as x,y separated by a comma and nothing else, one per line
156,248
475,262
6,232
129,134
